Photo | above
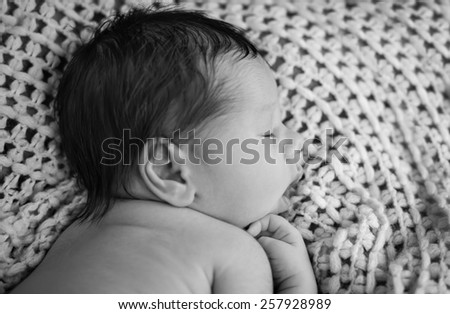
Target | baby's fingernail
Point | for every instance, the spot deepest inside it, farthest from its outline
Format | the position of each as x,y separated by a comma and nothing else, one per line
252,230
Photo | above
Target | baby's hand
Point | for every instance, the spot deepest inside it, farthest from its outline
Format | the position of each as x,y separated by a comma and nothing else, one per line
284,246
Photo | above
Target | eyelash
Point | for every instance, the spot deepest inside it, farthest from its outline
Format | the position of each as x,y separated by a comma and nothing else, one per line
269,135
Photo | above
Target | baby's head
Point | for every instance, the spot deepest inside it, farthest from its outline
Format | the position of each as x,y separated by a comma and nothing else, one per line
157,74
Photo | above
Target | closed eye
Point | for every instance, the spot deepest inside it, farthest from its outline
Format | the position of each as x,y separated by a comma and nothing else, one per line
268,134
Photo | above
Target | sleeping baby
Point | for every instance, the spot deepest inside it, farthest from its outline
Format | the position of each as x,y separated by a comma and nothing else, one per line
171,122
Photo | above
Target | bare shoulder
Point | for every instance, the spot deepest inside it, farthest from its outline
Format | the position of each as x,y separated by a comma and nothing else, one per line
225,239
240,263
228,239
233,261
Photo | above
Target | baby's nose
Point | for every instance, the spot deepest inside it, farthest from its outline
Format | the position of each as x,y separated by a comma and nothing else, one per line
294,149
297,139
294,137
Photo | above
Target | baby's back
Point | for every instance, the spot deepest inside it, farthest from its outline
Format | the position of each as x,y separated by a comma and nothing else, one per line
141,249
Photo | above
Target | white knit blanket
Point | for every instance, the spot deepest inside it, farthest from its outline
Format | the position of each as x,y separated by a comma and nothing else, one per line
375,73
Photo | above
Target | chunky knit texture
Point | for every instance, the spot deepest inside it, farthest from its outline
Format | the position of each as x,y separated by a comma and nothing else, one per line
374,73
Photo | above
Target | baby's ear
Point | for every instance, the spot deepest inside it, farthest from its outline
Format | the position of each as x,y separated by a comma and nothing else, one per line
164,170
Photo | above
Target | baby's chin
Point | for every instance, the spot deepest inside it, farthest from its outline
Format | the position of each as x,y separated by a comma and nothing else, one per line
282,205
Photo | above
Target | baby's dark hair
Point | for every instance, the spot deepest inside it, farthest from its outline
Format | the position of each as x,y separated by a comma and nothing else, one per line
150,71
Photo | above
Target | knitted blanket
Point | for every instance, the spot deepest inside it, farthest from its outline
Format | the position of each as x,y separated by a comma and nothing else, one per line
367,79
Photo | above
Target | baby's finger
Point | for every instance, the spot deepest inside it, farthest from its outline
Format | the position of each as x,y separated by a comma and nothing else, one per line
254,229
276,227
